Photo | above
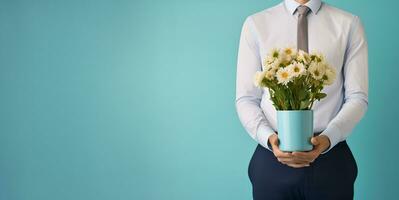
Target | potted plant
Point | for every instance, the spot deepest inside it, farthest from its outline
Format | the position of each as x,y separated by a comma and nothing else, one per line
295,80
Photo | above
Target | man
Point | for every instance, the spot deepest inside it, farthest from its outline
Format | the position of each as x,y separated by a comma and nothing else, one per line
329,170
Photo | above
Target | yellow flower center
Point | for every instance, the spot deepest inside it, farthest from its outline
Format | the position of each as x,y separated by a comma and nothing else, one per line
296,69
316,72
284,75
288,51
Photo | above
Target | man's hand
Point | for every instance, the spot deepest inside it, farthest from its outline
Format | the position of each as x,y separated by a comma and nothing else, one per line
299,159
286,157
320,144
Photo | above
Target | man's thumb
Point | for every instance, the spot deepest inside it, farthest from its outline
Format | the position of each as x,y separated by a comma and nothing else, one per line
314,141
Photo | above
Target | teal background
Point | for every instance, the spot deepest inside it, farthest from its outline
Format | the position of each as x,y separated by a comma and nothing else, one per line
135,100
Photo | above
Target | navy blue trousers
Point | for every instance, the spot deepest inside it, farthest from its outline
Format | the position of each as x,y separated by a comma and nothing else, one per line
330,177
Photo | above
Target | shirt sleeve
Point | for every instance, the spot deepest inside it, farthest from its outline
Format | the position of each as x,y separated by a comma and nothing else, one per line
248,96
355,72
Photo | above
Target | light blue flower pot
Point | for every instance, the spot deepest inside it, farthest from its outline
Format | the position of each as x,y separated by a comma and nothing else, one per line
295,129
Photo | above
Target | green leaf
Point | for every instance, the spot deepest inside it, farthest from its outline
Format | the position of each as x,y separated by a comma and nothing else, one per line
320,95
301,95
304,104
292,103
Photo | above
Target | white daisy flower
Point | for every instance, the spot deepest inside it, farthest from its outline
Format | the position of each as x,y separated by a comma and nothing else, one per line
276,64
284,75
329,76
270,74
274,57
275,54
317,57
297,69
272,64
258,78
275,68
317,70
267,63
303,57
289,52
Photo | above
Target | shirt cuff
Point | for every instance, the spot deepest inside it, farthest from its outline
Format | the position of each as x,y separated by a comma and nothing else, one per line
262,136
334,135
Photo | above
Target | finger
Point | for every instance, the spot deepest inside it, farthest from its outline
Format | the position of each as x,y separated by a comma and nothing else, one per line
307,159
304,155
290,156
292,160
278,153
315,141
312,153
298,165
297,162
281,154
300,159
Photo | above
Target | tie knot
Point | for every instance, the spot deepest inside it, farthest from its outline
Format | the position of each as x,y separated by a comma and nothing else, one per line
303,10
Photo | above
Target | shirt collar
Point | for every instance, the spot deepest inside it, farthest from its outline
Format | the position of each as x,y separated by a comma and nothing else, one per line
291,5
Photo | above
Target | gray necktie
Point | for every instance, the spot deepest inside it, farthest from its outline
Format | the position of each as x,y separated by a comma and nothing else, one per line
302,28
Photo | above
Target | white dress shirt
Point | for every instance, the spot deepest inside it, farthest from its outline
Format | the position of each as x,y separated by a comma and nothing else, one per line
337,34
